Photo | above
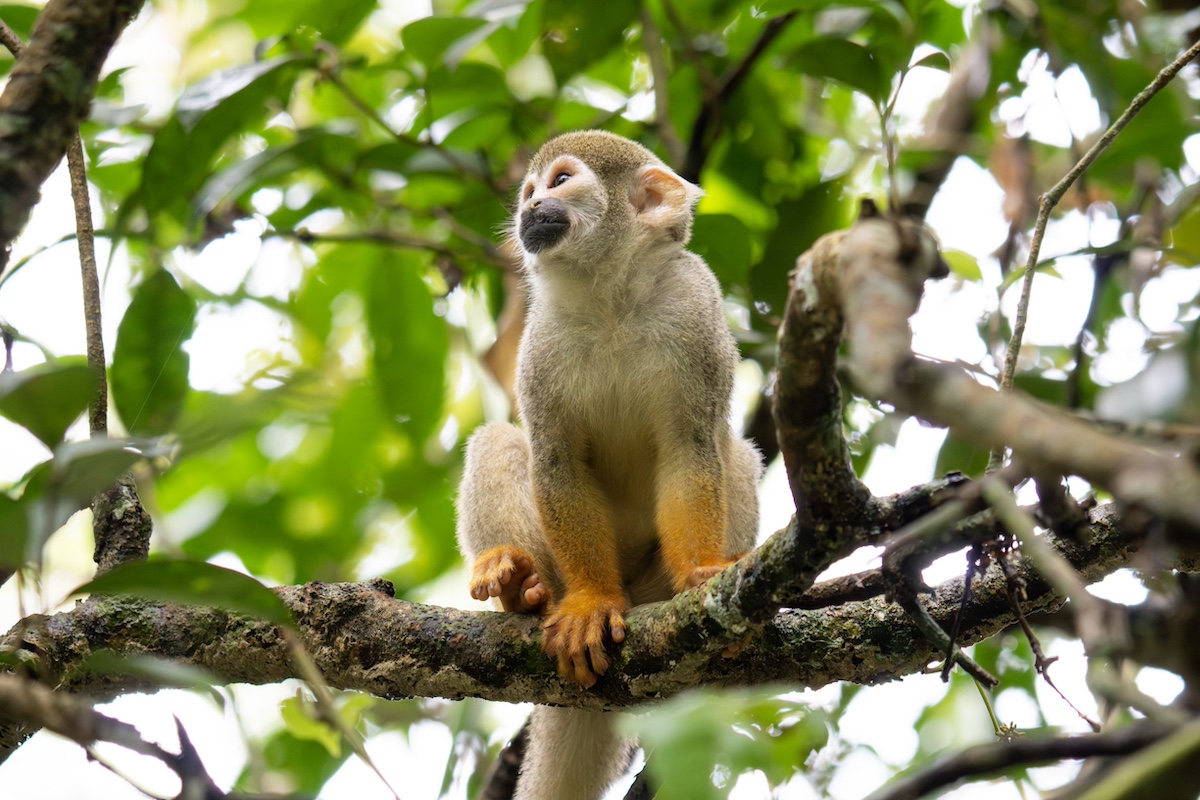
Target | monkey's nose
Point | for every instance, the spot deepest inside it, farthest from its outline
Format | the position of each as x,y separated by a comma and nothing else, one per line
535,204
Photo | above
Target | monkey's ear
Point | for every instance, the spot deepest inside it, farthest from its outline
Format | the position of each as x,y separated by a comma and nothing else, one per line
664,201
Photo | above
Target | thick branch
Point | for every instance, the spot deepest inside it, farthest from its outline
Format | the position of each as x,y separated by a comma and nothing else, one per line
364,639
808,409
47,96
875,275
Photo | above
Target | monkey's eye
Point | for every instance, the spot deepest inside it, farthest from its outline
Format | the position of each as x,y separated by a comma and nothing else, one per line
561,178
528,191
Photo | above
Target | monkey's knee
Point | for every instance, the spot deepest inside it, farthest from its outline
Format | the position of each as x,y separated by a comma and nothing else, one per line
744,471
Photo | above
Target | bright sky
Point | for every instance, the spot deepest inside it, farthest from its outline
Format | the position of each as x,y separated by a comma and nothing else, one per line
44,302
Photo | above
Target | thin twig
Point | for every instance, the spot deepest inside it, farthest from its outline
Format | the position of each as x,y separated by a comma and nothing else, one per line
86,238
652,41
330,70
988,759
85,234
1050,199
710,113
10,40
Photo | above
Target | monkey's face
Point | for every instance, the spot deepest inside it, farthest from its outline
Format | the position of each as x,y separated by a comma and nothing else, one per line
564,201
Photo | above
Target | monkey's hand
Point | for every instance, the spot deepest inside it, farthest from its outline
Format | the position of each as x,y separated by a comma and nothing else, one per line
507,573
574,634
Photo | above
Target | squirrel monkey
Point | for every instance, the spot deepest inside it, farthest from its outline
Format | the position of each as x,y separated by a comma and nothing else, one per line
627,484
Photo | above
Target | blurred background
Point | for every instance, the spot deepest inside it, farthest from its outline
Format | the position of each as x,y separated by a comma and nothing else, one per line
299,210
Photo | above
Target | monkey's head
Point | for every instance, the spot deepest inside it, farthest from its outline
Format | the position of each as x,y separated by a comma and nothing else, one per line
591,192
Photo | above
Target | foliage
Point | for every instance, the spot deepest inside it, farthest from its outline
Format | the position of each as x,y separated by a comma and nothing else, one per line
342,177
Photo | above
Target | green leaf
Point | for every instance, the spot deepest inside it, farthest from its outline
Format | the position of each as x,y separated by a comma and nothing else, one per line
411,342
161,671
194,583
724,242
47,398
150,368
845,61
301,720
210,93
821,209
776,7
336,22
1185,239
207,114
741,730
56,489
958,456
14,532
20,18
312,148
963,265
428,38
580,32
938,60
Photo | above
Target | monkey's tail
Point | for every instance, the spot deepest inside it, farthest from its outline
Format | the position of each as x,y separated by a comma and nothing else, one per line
571,755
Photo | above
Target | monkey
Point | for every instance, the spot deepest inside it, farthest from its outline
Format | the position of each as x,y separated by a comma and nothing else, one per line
626,483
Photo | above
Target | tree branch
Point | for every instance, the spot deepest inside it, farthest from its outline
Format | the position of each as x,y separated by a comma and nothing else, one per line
361,638
989,759
700,142
875,274
47,96
1050,199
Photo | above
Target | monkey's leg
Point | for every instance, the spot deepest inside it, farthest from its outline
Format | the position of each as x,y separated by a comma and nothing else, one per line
742,476
578,525
692,516
498,527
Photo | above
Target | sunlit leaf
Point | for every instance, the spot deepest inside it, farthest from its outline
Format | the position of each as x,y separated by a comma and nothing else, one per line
47,398
410,342
207,114
845,61
150,367
963,265
938,60
192,583
429,38
300,718
578,32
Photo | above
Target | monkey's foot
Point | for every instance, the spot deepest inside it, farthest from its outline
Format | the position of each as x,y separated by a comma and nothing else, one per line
702,573
507,573
574,634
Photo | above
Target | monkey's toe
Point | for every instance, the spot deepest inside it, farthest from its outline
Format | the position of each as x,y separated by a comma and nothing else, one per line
507,573
700,574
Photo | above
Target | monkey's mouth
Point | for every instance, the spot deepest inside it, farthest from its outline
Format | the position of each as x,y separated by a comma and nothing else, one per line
544,225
